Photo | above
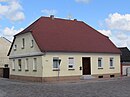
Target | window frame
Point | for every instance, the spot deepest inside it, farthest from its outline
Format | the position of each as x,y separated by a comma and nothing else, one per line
15,47
13,65
55,59
34,64
111,66
100,66
19,64
71,63
32,43
26,64
23,43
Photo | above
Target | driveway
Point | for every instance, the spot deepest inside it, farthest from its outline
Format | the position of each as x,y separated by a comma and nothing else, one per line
116,87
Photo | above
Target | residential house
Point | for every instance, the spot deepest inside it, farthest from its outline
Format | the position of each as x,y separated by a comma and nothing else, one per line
4,49
60,49
125,60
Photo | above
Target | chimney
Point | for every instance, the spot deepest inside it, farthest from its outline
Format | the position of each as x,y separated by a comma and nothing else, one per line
52,17
75,19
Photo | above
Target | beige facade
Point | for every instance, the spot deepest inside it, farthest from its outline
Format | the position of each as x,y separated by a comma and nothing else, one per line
27,60
4,48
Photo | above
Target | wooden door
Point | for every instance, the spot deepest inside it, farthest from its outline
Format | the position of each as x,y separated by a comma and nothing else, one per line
86,65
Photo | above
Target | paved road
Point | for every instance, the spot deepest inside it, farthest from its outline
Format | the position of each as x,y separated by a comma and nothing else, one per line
116,87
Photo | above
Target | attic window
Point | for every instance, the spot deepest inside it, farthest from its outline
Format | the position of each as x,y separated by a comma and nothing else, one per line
15,47
23,43
32,43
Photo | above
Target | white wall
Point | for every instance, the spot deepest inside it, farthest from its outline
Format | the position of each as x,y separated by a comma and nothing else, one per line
4,48
48,63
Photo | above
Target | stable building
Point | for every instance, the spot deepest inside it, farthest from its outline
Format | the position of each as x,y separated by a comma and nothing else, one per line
60,49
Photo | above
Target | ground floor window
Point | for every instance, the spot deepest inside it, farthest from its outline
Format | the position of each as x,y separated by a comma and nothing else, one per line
13,65
71,62
35,64
26,64
55,62
99,62
19,65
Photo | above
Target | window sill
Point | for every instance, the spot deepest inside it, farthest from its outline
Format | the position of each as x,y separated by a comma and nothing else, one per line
26,70
112,68
56,69
34,70
71,69
100,67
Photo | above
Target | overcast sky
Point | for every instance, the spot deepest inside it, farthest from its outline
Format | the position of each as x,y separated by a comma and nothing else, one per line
110,17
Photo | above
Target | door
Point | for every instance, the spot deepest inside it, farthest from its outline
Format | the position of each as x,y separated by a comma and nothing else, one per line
86,66
5,72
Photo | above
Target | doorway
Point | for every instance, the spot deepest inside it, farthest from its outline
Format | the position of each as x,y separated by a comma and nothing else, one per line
86,66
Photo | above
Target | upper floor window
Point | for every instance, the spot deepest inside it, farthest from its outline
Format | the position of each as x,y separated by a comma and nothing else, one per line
19,65
71,62
100,62
15,47
23,43
32,43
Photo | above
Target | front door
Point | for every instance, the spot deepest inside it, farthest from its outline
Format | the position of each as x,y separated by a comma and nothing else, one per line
86,65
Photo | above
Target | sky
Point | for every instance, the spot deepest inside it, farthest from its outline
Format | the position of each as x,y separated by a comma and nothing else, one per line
109,17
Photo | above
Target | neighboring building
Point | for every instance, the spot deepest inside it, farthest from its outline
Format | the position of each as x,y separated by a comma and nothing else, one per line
59,49
4,49
125,60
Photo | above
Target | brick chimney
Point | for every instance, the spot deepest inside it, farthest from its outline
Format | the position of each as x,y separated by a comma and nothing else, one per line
52,17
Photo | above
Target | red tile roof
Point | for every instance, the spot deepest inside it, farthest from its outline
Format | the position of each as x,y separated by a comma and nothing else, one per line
60,35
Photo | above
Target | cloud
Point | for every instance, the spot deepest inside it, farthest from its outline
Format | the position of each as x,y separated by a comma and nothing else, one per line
117,21
49,11
82,1
12,10
105,32
122,36
10,32
118,28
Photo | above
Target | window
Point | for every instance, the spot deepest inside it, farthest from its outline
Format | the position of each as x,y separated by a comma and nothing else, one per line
71,62
35,64
99,62
32,43
19,65
15,47
23,43
55,62
13,65
111,63
26,64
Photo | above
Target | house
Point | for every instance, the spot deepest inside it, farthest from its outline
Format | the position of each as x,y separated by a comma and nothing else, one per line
125,60
4,49
60,49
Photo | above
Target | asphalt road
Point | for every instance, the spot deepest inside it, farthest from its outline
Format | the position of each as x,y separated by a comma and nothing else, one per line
116,87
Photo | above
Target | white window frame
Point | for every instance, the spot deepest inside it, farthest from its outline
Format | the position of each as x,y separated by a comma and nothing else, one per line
15,47
26,64
54,60
23,43
34,64
71,62
19,64
111,66
13,64
32,43
100,58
